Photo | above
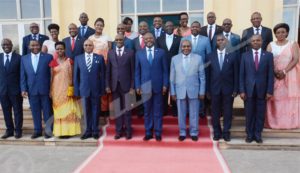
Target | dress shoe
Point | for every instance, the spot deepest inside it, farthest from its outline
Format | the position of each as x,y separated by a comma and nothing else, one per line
194,138
18,135
248,140
128,136
117,136
64,137
158,138
96,136
36,135
258,140
85,136
181,138
216,138
226,138
147,137
7,135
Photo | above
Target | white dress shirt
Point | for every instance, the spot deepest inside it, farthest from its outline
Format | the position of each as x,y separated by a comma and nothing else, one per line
122,50
254,29
35,60
5,57
259,52
36,36
169,40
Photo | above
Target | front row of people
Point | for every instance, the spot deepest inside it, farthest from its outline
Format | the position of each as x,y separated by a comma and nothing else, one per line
43,76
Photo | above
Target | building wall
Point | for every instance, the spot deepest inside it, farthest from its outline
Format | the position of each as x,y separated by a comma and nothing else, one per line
67,11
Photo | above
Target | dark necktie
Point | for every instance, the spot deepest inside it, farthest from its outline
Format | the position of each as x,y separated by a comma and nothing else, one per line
256,60
210,32
119,52
150,56
257,31
157,33
6,65
82,31
227,36
34,37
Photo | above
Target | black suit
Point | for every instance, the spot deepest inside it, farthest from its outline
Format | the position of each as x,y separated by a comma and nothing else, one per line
78,48
174,50
89,31
28,38
137,44
10,93
221,84
266,34
204,31
120,78
162,32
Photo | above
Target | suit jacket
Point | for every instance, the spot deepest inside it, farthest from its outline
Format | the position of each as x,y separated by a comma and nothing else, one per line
151,78
89,31
10,79
223,80
89,84
203,46
36,83
263,78
128,43
78,49
162,32
205,29
266,34
120,69
161,43
137,44
234,43
189,83
28,38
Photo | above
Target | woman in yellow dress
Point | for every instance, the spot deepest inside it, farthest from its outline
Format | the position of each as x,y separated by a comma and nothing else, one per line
67,110
102,44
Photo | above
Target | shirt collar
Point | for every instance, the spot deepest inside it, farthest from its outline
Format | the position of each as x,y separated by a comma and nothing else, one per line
259,51
185,56
37,35
152,48
171,35
224,33
9,54
74,37
122,49
86,54
38,54
223,51
213,26
260,28
195,36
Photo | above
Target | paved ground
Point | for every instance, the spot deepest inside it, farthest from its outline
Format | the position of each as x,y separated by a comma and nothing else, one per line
48,159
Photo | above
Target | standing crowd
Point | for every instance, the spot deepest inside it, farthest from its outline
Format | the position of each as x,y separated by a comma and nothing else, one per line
185,71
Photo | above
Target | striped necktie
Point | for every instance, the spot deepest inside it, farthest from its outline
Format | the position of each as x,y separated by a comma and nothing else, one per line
89,63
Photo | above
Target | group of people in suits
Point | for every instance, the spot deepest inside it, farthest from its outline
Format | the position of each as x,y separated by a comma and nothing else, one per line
193,73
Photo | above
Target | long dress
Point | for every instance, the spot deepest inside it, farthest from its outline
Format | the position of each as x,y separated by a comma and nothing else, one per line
101,48
67,110
283,110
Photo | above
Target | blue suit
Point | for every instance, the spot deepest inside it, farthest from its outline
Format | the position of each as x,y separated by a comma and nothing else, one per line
256,84
78,48
221,84
28,38
10,93
151,79
89,31
202,48
128,43
37,85
90,86
187,84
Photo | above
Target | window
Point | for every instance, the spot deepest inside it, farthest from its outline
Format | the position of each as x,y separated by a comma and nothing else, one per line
147,9
16,16
291,17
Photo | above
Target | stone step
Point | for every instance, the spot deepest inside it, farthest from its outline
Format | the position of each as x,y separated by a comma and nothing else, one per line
26,140
268,144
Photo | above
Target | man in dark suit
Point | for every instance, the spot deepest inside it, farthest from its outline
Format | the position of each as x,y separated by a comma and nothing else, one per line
35,35
10,93
266,33
211,29
222,86
84,31
120,82
35,84
234,40
139,42
158,30
89,84
151,82
74,44
128,43
256,87
170,43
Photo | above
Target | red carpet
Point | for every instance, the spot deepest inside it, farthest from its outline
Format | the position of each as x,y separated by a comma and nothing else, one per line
167,156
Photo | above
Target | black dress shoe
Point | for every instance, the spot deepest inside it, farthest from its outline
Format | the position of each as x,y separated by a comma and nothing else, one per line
47,136
18,135
128,136
64,137
147,137
216,138
181,138
7,135
85,136
36,135
226,138
259,140
96,136
158,138
117,136
194,138
248,140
